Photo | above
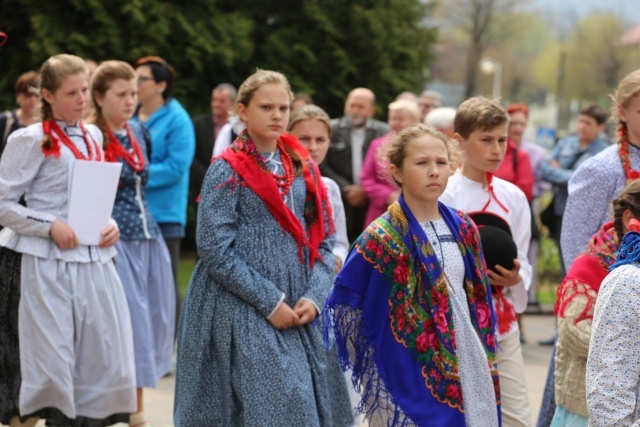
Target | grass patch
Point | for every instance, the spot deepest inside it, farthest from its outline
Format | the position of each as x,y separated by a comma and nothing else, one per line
548,271
546,292
187,264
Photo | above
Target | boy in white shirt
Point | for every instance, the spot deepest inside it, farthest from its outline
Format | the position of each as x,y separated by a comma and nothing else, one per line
480,127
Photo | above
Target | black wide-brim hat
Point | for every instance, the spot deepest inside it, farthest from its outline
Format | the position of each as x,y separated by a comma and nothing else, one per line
498,246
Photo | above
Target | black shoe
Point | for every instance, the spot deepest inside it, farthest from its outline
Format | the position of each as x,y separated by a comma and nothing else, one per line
549,342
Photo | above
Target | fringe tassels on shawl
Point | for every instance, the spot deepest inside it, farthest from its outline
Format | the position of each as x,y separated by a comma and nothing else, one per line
355,354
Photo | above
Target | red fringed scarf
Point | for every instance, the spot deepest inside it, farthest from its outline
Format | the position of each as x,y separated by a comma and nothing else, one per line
505,312
588,271
247,162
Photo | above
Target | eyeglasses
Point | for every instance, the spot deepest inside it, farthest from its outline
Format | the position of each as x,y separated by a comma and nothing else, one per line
143,79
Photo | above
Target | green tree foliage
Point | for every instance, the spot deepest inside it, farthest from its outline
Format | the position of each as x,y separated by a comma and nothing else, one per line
588,65
201,42
325,47
594,45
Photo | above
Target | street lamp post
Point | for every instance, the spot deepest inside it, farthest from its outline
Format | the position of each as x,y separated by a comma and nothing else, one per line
491,66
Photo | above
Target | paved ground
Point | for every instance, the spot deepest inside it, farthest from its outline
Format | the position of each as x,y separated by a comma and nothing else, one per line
159,401
536,358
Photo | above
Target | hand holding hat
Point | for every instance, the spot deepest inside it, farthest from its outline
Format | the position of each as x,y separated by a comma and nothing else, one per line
499,249
500,276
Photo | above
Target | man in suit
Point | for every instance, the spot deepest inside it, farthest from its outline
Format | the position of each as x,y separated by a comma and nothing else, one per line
207,127
351,136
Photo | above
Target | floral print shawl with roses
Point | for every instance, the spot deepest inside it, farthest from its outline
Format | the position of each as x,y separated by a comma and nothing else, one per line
391,318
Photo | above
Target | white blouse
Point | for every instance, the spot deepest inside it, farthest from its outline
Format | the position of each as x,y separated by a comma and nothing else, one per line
341,248
480,409
44,181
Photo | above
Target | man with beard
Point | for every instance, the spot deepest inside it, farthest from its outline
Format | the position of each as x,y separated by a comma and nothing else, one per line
351,136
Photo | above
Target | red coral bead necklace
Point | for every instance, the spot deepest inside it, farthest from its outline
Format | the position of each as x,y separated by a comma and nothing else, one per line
285,180
115,150
94,152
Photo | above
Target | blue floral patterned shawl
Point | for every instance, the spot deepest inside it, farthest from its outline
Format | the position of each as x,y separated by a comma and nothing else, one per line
392,319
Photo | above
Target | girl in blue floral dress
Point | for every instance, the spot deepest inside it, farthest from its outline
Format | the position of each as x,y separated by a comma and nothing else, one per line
248,353
411,309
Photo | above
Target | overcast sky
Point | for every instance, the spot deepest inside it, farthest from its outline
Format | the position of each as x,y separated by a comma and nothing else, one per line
630,9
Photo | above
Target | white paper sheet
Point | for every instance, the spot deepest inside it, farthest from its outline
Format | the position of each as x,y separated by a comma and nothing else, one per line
92,192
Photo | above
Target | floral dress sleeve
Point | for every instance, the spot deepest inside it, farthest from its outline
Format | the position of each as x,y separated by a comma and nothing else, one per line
215,236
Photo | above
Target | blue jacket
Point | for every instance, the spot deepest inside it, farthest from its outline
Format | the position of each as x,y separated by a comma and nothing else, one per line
173,147
570,155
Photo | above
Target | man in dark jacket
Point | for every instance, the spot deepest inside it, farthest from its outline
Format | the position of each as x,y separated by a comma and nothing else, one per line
352,135
207,127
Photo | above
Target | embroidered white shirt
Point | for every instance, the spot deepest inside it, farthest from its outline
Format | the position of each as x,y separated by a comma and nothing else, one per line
470,196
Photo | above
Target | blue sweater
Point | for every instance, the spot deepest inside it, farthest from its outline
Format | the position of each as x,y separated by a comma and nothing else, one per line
173,147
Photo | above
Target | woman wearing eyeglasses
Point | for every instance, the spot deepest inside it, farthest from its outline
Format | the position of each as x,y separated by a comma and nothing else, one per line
173,148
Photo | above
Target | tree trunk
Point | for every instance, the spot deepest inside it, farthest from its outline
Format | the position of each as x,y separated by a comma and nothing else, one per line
473,59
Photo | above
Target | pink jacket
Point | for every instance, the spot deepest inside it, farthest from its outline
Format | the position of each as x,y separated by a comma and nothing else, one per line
374,179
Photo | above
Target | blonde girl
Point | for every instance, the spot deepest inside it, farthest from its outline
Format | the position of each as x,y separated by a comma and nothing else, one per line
411,308
312,126
76,352
248,353
603,177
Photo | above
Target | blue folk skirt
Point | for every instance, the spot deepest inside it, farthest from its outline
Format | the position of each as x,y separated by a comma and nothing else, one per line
564,418
144,267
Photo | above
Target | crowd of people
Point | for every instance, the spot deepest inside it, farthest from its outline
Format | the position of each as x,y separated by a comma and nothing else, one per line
349,270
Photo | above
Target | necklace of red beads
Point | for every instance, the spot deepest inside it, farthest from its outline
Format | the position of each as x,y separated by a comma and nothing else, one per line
115,150
284,181
623,140
51,128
